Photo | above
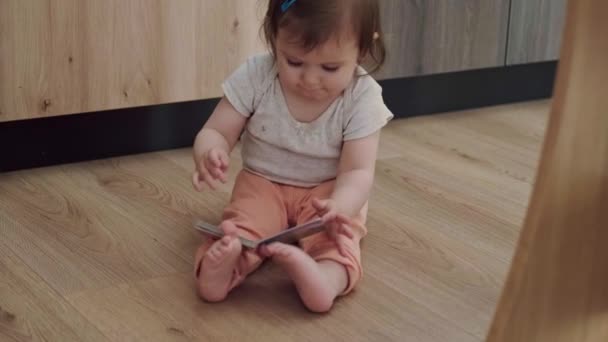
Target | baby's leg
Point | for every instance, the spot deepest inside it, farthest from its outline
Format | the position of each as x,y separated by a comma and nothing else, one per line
319,272
216,264
318,283
255,211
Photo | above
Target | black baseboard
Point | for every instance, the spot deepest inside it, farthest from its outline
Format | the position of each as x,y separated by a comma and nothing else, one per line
469,89
86,136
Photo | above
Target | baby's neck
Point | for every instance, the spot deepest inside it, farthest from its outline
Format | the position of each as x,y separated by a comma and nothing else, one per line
305,110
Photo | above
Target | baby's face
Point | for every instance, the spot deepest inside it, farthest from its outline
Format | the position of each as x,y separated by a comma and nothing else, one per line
320,74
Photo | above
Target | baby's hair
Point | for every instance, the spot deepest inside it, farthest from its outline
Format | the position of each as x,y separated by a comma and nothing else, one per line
313,22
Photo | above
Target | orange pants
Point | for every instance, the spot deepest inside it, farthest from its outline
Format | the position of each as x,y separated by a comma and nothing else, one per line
260,208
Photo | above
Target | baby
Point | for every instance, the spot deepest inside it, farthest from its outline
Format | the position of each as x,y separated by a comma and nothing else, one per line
309,118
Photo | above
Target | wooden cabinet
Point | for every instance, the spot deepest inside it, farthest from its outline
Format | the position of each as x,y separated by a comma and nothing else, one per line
535,32
434,36
72,56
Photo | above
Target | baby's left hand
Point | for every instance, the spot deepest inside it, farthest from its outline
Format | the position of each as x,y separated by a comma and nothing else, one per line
336,224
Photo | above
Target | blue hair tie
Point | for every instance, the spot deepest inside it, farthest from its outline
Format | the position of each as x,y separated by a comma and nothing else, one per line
286,4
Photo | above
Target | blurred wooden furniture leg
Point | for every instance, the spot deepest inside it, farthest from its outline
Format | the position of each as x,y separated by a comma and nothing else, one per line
557,288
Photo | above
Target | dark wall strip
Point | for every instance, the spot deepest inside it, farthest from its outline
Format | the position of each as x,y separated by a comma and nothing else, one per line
72,138
469,89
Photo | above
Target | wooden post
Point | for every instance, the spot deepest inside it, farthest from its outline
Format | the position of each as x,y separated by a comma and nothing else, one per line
557,288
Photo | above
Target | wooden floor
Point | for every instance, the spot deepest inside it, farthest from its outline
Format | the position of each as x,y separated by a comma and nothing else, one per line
102,251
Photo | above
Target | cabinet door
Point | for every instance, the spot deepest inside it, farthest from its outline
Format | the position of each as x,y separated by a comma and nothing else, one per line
70,56
434,36
536,30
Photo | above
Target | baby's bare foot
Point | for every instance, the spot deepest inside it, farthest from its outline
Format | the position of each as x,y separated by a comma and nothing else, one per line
217,267
317,283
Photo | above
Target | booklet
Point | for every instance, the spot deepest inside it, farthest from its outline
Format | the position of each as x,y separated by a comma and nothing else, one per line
289,235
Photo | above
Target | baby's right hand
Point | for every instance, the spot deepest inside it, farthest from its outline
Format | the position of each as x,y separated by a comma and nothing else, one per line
210,168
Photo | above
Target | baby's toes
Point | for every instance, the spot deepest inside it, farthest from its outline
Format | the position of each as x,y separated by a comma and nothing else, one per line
274,249
214,253
224,244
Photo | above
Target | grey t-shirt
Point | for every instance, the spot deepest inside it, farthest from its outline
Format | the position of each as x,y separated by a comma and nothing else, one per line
284,150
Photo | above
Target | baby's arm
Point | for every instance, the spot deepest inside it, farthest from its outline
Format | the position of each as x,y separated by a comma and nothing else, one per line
214,143
222,130
355,174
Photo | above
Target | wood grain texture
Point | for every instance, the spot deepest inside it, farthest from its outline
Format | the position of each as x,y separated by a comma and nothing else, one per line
31,310
269,311
557,288
535,31
435,36
110,243
72,56
82,224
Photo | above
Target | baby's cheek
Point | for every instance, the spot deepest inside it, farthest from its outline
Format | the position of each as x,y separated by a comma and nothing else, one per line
339,84
288,77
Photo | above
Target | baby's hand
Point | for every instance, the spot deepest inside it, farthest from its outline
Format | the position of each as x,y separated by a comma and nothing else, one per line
336,224
210,168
